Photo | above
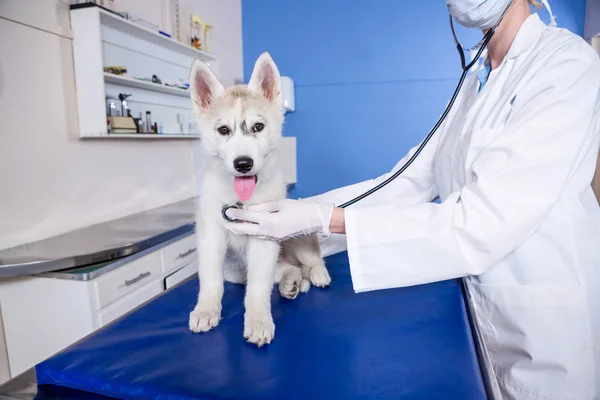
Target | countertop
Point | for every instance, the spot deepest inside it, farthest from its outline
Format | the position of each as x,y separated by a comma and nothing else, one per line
101,242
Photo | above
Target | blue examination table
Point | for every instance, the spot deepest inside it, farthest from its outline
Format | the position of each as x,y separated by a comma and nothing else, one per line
409,343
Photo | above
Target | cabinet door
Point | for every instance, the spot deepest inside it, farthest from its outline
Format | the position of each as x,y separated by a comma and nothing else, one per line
178,254
130,302
42,316
126,279
181,274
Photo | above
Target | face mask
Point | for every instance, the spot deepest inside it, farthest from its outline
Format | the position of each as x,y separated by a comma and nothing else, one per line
480,14
483,14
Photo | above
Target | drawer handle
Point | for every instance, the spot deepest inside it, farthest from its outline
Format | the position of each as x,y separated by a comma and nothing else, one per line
138,278
186,253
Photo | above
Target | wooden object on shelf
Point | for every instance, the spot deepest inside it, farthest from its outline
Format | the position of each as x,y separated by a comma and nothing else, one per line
122,124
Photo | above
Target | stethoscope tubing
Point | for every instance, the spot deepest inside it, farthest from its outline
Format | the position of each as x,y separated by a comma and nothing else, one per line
465,67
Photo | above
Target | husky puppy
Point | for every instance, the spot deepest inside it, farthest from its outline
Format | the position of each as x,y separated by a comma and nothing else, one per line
240,129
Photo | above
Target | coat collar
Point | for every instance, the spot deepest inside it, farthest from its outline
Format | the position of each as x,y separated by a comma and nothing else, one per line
527,36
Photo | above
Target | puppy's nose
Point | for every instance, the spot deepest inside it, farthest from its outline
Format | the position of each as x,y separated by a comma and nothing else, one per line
243,164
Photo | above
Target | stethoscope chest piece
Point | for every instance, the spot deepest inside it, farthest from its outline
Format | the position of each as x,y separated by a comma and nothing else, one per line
224,210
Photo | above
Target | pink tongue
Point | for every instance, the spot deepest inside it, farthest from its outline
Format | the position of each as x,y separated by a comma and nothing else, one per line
244,186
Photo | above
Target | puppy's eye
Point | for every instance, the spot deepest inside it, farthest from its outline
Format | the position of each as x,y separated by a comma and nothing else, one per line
223,130
258,127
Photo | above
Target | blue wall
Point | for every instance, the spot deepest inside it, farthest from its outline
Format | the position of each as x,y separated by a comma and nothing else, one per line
371,77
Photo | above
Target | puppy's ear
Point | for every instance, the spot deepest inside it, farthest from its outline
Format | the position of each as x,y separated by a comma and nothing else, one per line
265,79
204,85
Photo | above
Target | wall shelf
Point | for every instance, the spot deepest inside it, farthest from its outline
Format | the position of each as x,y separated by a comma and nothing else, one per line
103,39
149,136
140,84
119,23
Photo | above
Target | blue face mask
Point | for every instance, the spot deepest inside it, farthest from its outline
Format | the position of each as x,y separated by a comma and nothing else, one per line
480,14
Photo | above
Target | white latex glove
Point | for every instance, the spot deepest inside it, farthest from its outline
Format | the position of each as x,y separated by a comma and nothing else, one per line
282,220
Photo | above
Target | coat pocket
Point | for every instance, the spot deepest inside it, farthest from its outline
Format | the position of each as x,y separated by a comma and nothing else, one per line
537,338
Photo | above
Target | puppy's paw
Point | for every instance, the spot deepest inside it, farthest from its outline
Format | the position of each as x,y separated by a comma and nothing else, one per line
289,287
259,329
304,285
319,276
204,320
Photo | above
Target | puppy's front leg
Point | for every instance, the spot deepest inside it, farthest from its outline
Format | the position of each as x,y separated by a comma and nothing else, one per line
258,322
212,246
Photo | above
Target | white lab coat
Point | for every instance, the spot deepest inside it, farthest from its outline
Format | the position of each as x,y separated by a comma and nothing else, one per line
512,166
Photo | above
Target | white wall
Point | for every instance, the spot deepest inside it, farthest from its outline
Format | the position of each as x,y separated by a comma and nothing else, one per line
47,15
225,39
51,181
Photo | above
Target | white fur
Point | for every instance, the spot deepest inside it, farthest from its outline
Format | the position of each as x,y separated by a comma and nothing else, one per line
258,263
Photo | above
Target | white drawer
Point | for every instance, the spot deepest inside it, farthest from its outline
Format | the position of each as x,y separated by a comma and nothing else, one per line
129,302
181,274
179,253
126,279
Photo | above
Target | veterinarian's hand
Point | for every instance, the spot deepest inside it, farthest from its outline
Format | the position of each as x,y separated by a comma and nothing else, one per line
282,220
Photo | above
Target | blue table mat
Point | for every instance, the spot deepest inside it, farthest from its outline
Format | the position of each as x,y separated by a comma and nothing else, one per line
408,343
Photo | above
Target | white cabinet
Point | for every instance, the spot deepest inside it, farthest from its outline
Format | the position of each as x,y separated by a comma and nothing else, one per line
43,315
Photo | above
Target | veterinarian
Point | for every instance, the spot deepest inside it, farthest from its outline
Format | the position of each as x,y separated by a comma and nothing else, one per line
512,165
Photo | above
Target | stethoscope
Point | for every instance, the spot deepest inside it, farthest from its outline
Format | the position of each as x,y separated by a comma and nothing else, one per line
482,45
465,67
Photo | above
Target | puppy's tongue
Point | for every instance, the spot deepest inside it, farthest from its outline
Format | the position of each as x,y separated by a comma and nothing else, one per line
244,186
